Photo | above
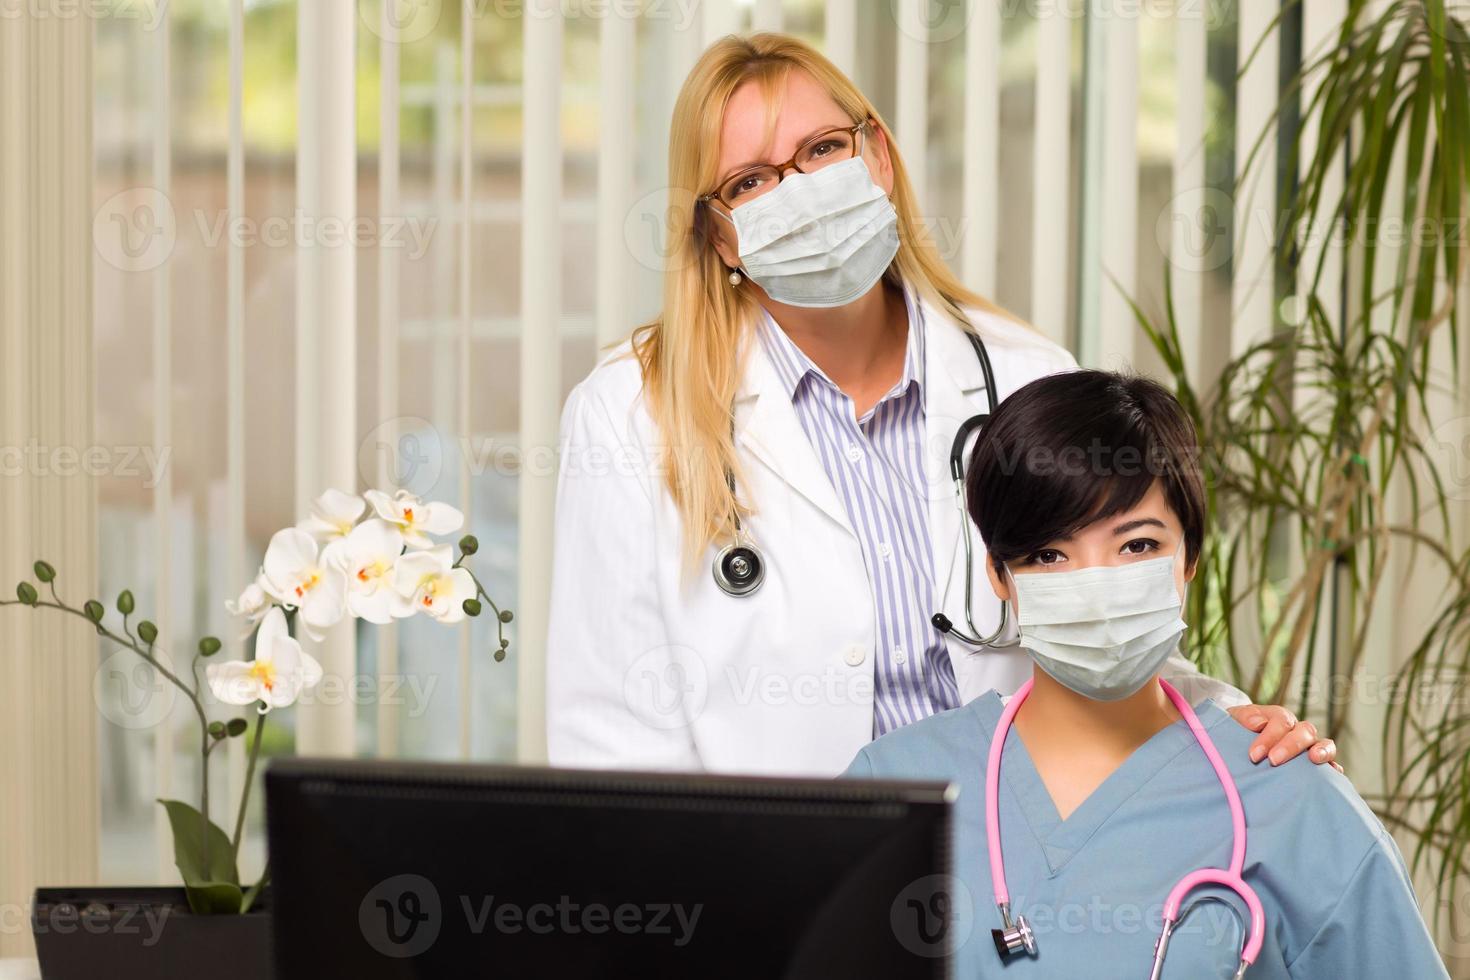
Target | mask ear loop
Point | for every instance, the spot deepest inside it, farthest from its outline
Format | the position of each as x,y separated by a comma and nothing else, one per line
1184,579
1015,594
736,275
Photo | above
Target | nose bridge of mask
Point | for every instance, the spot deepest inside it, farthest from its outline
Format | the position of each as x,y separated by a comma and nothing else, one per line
798,210
1091,597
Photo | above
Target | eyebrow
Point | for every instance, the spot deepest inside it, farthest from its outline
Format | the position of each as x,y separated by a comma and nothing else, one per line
1127,526
825,127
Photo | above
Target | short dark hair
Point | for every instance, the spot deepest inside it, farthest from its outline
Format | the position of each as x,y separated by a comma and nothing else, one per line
1073,448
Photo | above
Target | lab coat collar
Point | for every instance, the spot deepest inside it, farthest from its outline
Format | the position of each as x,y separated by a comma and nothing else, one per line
949,347
953,389
767,426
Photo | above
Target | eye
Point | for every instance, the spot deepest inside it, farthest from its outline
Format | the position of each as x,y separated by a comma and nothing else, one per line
1140,546
824,148
1046,556
745,185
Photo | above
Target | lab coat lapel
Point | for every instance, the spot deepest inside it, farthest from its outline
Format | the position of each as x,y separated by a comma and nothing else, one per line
767,425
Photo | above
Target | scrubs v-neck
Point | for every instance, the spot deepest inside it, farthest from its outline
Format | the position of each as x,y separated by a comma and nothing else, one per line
1338,899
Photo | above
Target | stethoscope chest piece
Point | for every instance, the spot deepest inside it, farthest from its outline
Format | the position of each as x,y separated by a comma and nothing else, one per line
1014,940
739,569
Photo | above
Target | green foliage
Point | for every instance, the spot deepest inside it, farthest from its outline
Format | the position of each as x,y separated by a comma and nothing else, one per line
205,859
205,856
1308,431
253,892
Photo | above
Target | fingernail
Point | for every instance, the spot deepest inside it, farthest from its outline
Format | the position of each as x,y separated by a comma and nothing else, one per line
1257,753
1276,758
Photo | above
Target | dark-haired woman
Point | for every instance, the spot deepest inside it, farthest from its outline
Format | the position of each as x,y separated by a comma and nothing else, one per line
1087,797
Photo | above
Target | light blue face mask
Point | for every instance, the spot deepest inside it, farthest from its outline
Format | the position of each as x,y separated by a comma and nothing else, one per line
818,240
1103,631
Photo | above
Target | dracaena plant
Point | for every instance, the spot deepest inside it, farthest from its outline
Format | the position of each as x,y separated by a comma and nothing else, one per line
1309,434
330,566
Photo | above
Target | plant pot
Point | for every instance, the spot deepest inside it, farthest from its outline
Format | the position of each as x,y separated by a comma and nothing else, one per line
146,934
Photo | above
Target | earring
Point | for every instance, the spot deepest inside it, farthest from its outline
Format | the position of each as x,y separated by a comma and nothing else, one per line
735,279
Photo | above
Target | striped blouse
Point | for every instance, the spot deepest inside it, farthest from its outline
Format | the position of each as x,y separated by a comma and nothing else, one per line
876,465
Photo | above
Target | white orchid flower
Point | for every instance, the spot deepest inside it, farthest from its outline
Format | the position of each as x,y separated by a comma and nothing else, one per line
368,556
296,576
429,580
253,604
277,676
415,518
332,517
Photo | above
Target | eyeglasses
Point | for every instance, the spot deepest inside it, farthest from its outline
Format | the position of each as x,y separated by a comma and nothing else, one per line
827,147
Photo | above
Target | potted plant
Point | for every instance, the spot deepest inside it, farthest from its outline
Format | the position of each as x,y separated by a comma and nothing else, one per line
1312,434
330,566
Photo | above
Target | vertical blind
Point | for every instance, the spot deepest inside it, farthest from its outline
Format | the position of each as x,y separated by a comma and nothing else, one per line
582,280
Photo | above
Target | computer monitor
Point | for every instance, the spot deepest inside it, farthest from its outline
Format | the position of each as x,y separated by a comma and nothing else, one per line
393,869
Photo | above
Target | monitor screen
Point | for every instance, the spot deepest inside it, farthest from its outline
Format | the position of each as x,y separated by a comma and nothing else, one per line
403,870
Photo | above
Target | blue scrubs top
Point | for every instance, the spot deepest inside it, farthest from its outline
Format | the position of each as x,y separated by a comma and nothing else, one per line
1338,899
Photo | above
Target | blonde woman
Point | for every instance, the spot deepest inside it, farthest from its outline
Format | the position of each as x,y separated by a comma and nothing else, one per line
757,529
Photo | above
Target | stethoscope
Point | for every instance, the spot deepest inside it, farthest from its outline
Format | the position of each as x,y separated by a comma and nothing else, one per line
740,568
1016,937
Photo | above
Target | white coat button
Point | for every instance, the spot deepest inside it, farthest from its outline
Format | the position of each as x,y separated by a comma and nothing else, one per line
855,656
899,656
853,452
883,549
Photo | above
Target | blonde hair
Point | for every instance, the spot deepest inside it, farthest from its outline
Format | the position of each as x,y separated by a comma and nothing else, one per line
691,354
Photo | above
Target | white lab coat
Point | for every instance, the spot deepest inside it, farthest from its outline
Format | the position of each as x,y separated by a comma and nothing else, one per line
648,670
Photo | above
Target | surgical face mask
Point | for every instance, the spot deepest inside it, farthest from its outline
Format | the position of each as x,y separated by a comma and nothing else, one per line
818,240
1104,631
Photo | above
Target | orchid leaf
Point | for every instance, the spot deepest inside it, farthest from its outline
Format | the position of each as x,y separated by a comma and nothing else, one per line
205,860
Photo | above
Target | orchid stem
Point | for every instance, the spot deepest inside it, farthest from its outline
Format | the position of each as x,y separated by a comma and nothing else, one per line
147,655
481,593
245,789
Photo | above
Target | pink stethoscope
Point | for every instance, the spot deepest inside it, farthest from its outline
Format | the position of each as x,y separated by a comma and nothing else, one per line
1015,937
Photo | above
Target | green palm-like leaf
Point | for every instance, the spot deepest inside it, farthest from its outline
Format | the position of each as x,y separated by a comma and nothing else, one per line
1331,415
